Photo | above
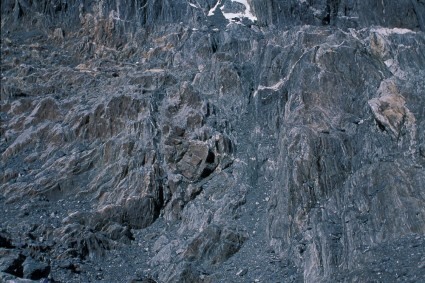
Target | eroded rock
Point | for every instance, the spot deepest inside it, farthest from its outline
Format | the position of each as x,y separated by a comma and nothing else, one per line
185,141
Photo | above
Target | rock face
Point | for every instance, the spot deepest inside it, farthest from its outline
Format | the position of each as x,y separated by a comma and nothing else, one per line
213,141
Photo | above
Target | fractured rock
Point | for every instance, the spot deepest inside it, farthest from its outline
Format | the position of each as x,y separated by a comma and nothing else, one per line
35,270
390,110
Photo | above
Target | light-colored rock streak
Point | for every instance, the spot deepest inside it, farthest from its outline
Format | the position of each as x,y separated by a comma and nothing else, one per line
274,87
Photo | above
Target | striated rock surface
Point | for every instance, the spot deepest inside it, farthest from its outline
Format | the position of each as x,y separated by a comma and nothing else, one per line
212,141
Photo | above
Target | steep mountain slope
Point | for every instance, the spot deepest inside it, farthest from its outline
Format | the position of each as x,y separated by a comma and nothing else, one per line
213,141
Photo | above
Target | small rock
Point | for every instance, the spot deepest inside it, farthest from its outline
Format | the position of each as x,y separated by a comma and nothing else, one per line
99,276
58,34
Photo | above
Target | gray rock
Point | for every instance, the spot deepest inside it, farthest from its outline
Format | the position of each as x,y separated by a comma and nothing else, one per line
11,262
186,141
214,245
35,270
5,241
351,14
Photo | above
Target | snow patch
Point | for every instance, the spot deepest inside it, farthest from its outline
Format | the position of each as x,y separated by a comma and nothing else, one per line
247,13
389,31
389,62
194,5
211,12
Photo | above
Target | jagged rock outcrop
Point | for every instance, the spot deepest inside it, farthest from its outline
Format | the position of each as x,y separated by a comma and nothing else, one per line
341,13
212,141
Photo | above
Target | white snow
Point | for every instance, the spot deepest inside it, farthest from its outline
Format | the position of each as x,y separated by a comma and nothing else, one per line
193,5
389,62
211,12
389,31
230,16
246,14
